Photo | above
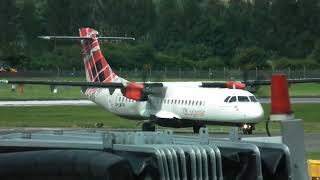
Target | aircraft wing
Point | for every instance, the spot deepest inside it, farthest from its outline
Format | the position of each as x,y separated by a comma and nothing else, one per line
290,81
135,91
243,85
65,83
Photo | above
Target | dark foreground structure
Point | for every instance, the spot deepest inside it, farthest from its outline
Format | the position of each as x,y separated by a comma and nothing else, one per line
98,154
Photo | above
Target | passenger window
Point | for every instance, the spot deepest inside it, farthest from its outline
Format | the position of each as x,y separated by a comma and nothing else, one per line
192,103
200,103
189,102
175,101
196,103
172,101
226,100
253,99
243,99
233,99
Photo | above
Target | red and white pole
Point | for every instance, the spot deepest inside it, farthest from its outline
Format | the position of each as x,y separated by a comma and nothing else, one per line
280,102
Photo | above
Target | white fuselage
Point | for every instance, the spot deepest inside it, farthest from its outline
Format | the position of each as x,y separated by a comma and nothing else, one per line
184,101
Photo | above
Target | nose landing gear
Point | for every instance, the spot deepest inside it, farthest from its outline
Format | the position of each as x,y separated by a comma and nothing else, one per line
247,128
196,128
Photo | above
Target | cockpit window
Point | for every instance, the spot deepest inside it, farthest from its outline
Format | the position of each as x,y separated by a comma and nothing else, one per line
243,99
233,99
253,99
226,100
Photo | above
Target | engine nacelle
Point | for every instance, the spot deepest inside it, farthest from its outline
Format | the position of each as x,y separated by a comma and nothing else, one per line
134,91
234,84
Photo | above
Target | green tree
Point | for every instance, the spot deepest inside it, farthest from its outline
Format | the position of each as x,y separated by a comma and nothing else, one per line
9,32
30,26
316,52
250,58
169,27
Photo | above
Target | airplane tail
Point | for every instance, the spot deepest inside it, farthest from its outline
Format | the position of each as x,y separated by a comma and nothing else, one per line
96,66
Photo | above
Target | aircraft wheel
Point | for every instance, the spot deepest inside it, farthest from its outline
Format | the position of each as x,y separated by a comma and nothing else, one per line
196,128
247,131
148,126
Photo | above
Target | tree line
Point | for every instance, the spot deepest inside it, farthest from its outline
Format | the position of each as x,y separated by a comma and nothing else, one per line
170,33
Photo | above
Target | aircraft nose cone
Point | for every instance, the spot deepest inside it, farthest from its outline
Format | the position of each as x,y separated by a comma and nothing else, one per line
258,113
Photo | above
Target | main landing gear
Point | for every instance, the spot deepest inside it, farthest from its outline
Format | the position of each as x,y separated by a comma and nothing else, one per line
247,128
196,128
148,126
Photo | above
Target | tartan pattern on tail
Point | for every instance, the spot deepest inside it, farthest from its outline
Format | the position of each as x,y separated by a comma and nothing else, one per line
96,66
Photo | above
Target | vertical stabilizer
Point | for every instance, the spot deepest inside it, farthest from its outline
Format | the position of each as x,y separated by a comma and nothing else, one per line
96,66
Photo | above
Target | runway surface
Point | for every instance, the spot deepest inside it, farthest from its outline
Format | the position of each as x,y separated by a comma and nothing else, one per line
311,140
295,100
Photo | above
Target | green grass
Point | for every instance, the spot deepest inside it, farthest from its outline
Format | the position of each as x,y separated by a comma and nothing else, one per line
36,92
87,116
313,155
60,116
307,89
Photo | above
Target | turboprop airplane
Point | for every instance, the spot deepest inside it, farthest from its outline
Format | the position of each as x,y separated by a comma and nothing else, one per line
168,104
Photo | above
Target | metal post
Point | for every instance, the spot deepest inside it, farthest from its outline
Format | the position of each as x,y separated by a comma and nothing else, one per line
293,137
304,71
256,72
58,72
272,68
135,72
289,72
150,72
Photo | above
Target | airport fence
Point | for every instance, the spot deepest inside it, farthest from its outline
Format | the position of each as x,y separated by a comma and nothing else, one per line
173,74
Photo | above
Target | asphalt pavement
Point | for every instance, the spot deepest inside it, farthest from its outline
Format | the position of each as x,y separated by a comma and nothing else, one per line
294,100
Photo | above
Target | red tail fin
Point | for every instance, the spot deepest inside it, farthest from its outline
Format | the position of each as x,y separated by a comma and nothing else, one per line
96,66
